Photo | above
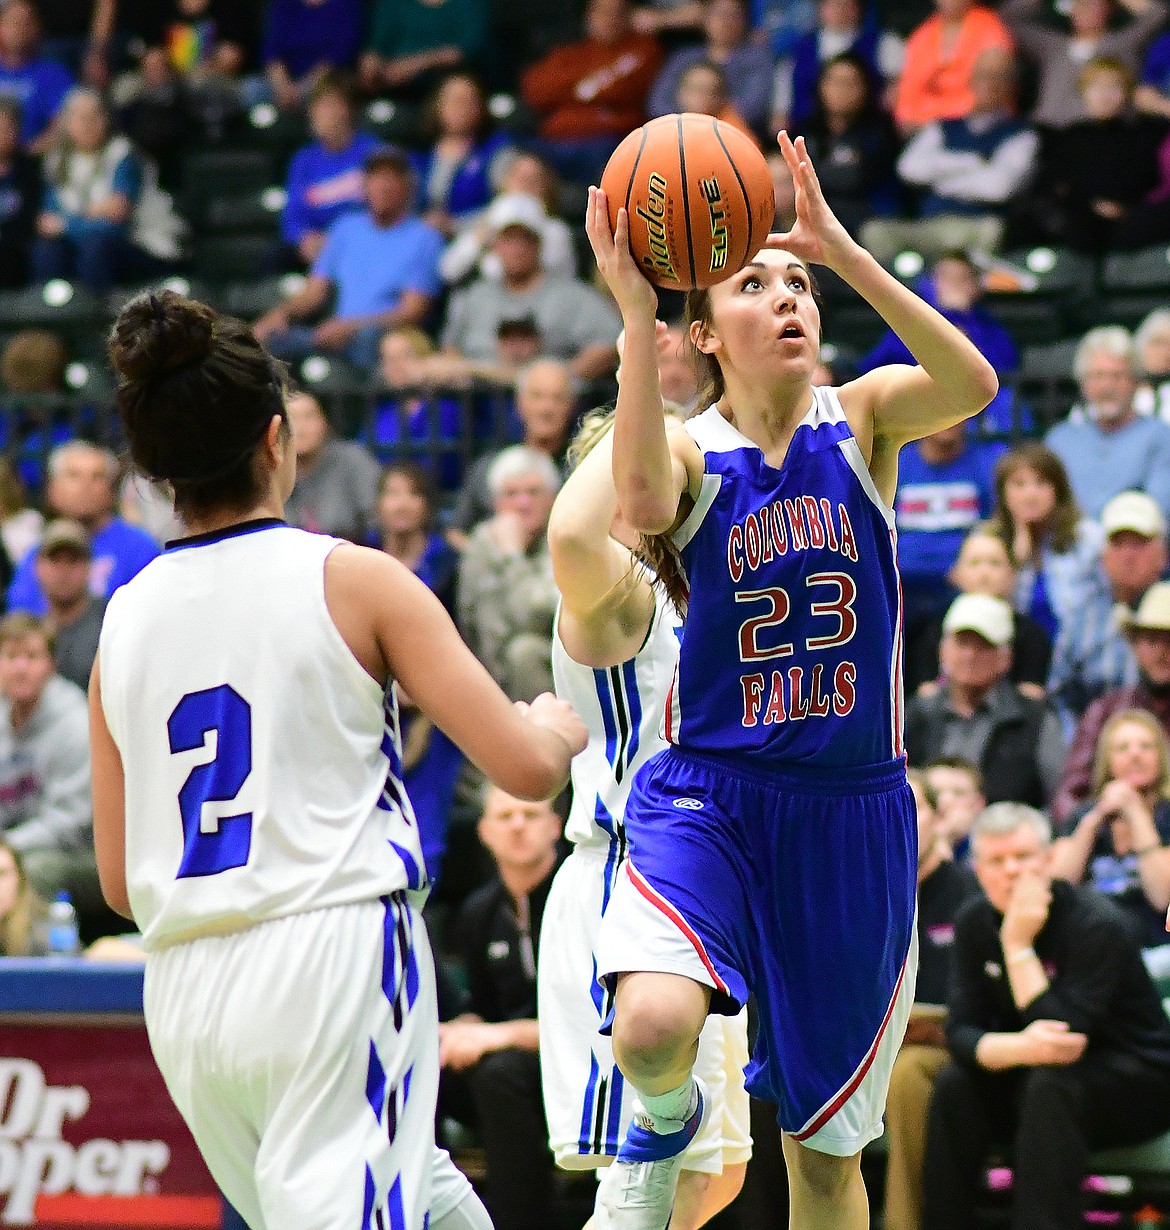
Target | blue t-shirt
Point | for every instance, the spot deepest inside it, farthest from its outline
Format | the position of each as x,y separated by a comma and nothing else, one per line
323,185
40,87
990,338
936,505
301,36
1156,70
120,552
1102,464
372,265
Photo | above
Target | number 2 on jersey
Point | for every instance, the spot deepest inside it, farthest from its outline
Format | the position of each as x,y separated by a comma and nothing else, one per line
224,710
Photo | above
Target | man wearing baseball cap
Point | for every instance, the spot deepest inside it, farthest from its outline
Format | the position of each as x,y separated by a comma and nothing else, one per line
978,714
1147,631
62,564
1092,654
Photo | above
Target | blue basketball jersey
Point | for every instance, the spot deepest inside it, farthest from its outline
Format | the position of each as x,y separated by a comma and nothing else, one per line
792,645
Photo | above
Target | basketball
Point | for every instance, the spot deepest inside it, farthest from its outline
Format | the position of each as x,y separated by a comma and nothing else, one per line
699,197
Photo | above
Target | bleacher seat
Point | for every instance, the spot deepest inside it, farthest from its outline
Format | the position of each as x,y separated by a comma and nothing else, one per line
1133,284
72,311
227,258
396,123
253,212
251,299
1041,294
211,174
1045,381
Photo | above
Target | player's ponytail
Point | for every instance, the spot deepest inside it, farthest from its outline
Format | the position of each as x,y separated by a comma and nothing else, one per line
196,392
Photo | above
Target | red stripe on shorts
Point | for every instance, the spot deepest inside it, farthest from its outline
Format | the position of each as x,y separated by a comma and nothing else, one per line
675,917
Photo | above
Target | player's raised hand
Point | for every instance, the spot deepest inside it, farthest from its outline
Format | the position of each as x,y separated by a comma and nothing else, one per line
817,236
632,292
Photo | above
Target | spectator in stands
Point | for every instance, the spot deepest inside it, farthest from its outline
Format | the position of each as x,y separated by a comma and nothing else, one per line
381,263
406,529
105,218
198,48
954,287
524,174
336,490
325,178
1117,842
944,887
46,813
20,523
703,89
80,34
979,714
984,567
493,1045
843,28
1148,630
1152,341
24,917
1092,652
411,422
852,141
63,558
576,323
304,40
413,42
669,19
969,167
546,406
936,81
957,785
1105,207
591,93
20,198
463,163
1058,1037
945,485
1059,56
506,597
748,66
678,377
36,83
1105,445
1054,549
83,486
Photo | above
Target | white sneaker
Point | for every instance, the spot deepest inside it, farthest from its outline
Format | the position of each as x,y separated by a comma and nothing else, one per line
637,1191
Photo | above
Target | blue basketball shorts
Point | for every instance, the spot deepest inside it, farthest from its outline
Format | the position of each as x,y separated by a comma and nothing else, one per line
797,888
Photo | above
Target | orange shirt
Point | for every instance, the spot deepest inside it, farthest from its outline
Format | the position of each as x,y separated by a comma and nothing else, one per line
586,89
932,88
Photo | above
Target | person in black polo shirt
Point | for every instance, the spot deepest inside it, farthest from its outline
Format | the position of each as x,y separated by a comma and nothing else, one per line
493,1044
1058,1039
944,887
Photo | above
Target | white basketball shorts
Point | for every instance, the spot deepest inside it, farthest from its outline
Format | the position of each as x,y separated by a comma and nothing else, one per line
587,1101
303,1054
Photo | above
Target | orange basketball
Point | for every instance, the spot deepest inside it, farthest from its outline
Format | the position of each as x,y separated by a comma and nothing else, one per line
699,196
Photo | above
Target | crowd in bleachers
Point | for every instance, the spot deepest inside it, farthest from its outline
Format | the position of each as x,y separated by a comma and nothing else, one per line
390,191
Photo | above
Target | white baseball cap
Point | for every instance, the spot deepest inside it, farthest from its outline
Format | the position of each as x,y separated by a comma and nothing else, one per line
1135,511
516,209
990,617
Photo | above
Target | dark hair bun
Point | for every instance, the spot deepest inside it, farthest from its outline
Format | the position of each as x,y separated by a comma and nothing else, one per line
159,332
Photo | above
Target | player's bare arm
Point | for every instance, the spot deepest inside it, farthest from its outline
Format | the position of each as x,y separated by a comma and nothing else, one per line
652,472
109,803
892,405
398,629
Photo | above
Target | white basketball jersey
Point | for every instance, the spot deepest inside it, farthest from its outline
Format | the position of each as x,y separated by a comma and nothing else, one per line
621,707
262,763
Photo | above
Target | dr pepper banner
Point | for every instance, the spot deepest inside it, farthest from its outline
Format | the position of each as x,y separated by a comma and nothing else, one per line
89,1136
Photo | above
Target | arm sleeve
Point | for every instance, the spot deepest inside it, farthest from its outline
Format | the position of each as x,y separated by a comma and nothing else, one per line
920,160
1002,175
294,221
1083,993
1157,62
424,267
1132,38
128,177
1158,475
967,1008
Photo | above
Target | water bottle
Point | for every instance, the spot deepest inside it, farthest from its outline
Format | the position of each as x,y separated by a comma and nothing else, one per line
63,937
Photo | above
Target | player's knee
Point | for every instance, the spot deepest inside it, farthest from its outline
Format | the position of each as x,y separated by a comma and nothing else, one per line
822,1176
656,1017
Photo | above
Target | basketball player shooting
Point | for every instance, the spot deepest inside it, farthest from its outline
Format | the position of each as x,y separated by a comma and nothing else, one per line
773,842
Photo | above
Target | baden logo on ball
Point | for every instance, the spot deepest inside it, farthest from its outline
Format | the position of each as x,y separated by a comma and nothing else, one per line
699,197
